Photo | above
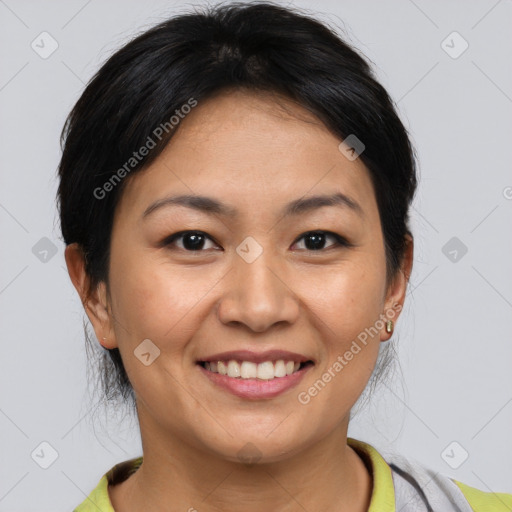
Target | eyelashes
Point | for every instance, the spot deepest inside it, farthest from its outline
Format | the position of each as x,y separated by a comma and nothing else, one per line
196,240
338,239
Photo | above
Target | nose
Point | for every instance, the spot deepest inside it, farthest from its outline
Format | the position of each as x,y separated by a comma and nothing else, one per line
258,295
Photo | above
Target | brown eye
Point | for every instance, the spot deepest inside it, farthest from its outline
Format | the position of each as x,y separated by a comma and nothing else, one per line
315,240
191,240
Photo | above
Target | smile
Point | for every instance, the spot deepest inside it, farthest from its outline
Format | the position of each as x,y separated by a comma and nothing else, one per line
266,370
249,380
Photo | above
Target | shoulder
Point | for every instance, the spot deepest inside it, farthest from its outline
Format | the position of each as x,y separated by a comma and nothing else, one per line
99,498
441,492
402,484
483,501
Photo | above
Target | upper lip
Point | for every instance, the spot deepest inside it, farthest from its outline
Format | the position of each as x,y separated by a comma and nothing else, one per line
257,357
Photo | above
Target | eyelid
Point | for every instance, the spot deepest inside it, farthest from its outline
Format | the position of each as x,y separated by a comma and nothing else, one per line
171,238
340,240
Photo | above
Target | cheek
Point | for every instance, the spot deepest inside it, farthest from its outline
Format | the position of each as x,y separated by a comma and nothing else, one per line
347,299
347,308
156,300
160,302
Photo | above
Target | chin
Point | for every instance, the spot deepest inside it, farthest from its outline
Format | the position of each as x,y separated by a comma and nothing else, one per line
257,449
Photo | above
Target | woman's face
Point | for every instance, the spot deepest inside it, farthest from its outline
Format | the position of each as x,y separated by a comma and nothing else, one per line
256,281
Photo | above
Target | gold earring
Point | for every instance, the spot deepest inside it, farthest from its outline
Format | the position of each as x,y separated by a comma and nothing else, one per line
389,326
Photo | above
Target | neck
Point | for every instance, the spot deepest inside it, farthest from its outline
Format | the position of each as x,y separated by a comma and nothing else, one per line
328,476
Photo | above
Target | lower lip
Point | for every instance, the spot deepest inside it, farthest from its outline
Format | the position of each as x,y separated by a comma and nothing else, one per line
256,388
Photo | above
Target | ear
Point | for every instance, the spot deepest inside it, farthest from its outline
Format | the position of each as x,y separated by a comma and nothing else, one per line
395,295
95,302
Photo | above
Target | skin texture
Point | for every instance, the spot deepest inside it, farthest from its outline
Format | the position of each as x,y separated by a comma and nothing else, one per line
249,152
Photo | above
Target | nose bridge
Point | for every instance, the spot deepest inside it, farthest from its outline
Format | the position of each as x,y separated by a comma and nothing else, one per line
256,294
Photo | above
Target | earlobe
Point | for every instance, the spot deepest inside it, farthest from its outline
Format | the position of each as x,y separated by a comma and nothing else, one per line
96,307
95,302
396,294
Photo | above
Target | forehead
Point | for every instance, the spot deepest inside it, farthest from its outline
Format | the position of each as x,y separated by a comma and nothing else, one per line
253,149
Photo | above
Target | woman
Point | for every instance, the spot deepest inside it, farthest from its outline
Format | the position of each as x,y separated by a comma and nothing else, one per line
234,196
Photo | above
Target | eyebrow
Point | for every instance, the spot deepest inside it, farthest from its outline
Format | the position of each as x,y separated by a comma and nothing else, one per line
297,207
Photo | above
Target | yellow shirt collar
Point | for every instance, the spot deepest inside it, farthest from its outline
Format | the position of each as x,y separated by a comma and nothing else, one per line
382,499
383,493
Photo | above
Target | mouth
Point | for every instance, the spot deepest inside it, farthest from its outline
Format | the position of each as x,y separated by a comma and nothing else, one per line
252,380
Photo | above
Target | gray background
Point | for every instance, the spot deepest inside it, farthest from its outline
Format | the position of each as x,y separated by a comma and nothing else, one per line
455,341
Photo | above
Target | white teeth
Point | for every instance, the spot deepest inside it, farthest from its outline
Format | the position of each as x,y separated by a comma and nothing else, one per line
248,370
221,368
233,369
280,369
266,370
